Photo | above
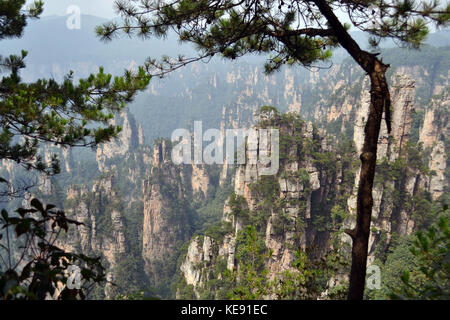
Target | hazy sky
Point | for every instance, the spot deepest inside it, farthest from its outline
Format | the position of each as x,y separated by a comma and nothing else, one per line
99,8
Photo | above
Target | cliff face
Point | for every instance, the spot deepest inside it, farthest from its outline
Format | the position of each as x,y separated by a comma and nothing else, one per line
319,192
111,207
142,208
200,180
286,209
204,91
95,210
166,224
103,232
129,139
388,216
434,135
408,171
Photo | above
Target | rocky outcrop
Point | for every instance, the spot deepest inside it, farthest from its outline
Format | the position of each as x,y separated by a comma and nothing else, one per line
390,148
127,141
306,185
403,93
200,179
401,176
166,215
434,135
438,163
298,188
197,253
103,232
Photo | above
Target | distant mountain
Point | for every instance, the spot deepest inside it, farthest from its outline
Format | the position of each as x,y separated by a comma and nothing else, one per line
440,38
49,41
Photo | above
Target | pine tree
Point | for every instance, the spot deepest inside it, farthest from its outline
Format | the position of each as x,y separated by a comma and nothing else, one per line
65,114
293,32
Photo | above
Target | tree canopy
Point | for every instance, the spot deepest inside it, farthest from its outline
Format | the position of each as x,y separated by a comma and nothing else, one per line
291,32
64,114
67,114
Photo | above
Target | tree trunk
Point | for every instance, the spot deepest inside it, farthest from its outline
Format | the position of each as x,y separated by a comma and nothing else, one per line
360,235
379,102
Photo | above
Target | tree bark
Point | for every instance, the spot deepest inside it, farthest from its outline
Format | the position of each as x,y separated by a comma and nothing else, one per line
379,102
379,96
